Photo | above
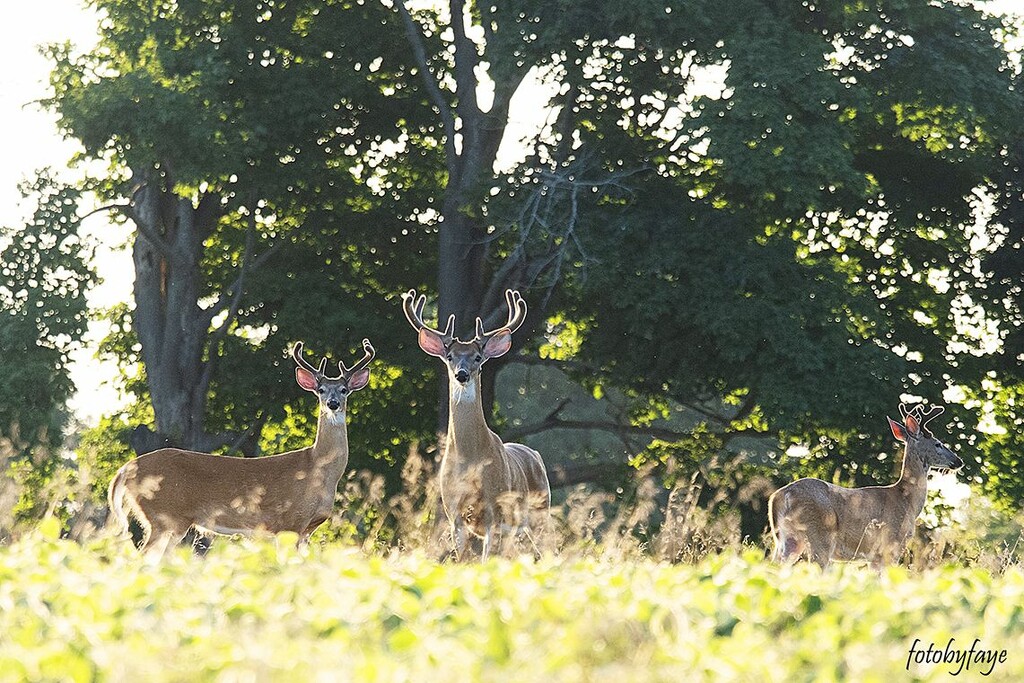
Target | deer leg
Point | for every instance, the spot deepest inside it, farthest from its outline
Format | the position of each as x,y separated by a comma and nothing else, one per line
524,531
459,537
822,550
537,518
159,530
779,551
490,524
308,531
488,534
527,519
788,549
791,542
888,552
487,545
157,541
445,546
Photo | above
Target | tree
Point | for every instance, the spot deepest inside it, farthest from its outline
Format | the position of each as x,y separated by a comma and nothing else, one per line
754,210
44,277
43,281
224,123
797,241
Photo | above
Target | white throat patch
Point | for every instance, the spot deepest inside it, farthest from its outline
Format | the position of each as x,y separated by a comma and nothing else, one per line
335,417
463,394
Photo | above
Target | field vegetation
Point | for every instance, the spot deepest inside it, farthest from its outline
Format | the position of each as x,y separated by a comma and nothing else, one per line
622,591
257,610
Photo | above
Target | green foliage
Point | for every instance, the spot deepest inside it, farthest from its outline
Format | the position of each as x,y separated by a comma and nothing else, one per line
789,251
44,277
816,255
692,453
261,610
34,475
1001,444
100,453
265,107
43,280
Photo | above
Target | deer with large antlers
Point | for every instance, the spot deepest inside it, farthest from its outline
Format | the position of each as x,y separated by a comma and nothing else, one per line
486,486
171,490
831,522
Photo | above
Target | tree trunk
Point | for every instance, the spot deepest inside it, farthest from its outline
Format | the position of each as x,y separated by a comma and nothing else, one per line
463,246
172,328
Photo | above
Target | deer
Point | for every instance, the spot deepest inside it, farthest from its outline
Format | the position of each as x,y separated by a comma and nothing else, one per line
487,486
873,523
171,490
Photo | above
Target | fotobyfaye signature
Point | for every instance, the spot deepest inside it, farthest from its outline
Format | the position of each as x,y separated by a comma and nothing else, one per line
960,658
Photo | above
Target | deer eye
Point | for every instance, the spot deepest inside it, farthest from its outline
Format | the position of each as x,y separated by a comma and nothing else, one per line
478,357
449,356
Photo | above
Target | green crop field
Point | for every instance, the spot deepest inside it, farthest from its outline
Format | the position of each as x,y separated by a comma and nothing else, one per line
263,611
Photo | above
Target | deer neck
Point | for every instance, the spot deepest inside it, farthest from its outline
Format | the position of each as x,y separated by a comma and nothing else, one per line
913,483
468,433
330,448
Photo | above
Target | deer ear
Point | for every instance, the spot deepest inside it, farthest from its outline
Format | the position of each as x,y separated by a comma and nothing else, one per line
305,379
898,430
499,344
431,343
359,380
913,425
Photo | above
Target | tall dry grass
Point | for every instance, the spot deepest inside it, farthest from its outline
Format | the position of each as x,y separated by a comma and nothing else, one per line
685,521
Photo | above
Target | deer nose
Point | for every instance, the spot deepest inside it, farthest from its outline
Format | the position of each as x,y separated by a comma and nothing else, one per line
333,403
462,374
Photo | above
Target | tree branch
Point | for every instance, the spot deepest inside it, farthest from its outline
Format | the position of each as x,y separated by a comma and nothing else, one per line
551,421
601,425
231,299
714,417
466,61
552,363
485,23
444,109
229,294
121,208
560,476
207,213
496,120
746,408
146,216
249,437
218,335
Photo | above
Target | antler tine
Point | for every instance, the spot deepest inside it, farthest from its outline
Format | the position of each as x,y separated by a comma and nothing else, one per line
915,411
302,363
413,307
516,315
410,304
516,301
931,414
359,365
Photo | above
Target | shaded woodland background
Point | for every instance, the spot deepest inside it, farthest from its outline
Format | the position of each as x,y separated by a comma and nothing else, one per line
745,231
